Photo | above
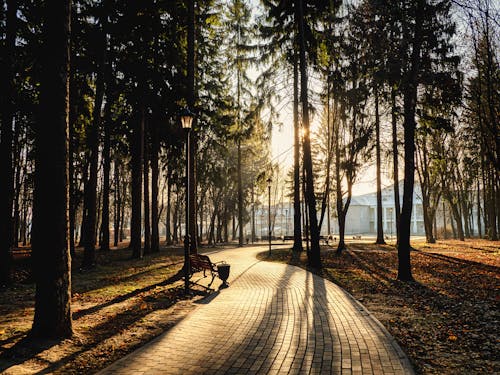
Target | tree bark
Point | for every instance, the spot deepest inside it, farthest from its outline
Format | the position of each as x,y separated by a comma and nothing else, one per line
410,102
380,229
106,154
314,259
458,220
297,228
240,192
117,202
338,185
155,173
395,164
478,200
51,257
123,218
492,231
191,101
168,213
147,212
137,144
90,204
6,167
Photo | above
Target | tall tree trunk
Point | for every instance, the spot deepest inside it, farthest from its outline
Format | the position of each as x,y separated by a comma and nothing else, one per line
137,155
464,213
202,213
168,216
425,188
404,266
478,197
493,233
225,224
338,185
453,230
52,260
191,101
315,258
240,193
147,214
410,102
175,221
297,228
90,204
17,184
325,201
6,167
395,163
123,218
458,220
306,217
116,201
445,234
233,226
155,173
341,221
429,235
380,226
73,201
106,154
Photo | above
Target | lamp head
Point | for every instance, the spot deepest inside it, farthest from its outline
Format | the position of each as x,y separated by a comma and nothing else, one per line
186,118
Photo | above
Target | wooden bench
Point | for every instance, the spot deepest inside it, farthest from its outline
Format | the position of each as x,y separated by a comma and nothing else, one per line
203,263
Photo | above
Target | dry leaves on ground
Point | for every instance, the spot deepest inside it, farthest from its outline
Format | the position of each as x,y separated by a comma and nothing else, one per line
448,320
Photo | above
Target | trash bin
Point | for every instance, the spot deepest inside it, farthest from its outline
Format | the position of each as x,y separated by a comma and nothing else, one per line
223,270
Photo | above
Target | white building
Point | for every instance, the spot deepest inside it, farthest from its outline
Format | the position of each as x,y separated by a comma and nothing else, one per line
361,216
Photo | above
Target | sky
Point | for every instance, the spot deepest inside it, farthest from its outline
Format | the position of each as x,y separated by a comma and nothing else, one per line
282,153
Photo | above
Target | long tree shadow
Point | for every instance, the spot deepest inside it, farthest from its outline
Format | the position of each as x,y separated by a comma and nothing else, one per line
461,262
251,345
28,348
89,281
292,331
121,298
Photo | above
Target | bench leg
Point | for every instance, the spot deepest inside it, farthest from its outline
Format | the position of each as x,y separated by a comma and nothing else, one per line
213,277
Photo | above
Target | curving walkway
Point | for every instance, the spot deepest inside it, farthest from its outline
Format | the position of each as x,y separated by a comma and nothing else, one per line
273,319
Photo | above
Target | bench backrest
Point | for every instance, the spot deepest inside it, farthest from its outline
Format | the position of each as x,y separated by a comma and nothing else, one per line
201,261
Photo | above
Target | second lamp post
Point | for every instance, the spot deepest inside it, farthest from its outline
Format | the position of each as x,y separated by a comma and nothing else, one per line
269,212
187,121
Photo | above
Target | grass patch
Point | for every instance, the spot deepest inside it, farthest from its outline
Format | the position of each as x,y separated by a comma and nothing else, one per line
117,307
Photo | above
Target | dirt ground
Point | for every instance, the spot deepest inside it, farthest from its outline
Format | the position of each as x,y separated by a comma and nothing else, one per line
448,320
117,307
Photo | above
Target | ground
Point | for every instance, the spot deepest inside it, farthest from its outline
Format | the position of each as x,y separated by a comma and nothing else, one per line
117,307
447,322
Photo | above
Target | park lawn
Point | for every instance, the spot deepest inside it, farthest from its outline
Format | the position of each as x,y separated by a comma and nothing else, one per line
448,320
117,307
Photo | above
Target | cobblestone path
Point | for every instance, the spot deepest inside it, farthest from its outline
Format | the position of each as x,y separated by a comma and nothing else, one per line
273,319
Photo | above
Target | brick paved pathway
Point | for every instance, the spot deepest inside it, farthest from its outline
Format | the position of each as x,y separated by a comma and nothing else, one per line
273,319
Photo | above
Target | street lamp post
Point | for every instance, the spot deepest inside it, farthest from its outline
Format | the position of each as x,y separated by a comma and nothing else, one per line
253,215
187,120
269,211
